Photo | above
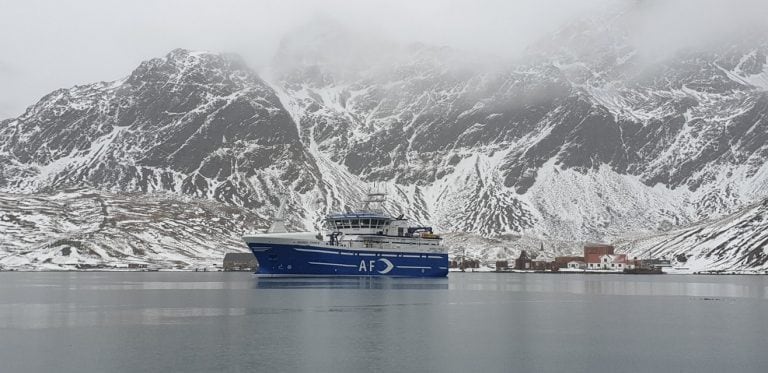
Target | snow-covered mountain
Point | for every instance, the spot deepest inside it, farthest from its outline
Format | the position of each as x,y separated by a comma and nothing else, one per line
735,243
565,145
193,123
585,139
84,228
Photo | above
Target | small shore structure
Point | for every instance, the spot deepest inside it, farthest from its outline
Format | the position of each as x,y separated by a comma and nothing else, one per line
523,262
603,257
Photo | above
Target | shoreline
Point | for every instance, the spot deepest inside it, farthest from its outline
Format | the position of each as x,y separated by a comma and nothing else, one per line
169,270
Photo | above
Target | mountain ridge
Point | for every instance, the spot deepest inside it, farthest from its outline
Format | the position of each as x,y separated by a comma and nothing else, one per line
567,148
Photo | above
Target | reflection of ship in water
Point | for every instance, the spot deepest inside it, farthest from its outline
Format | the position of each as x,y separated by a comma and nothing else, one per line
367,242
358,282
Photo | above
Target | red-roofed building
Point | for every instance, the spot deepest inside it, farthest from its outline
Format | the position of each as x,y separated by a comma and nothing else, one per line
591,258
614,262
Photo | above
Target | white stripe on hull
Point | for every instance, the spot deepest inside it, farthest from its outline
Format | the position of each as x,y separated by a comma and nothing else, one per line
308,239
316,251
413,267
349,251
334,264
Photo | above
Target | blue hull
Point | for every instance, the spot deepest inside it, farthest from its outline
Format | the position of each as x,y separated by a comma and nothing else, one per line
294,260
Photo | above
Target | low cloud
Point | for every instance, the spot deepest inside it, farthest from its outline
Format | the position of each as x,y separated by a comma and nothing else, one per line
60,44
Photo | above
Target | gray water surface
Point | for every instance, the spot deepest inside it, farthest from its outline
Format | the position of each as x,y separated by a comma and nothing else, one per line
206,322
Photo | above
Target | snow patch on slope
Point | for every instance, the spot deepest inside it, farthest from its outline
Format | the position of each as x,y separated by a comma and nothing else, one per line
601,204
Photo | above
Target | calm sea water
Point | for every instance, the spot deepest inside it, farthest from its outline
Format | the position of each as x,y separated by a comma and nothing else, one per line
206,322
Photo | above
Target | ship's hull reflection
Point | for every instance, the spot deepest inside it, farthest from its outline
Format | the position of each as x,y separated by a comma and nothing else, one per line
352,282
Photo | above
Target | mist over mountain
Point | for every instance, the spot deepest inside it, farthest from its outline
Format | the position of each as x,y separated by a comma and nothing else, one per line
590,135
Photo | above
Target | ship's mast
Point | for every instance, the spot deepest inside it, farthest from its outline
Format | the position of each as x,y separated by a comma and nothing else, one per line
374,196
278,222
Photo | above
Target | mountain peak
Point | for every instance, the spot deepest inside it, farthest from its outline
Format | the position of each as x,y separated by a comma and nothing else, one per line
183,62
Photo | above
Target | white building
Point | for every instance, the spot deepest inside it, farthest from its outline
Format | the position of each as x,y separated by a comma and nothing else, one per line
611,262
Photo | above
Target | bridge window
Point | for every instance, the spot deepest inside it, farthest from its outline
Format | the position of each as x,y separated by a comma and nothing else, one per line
365,223
355,223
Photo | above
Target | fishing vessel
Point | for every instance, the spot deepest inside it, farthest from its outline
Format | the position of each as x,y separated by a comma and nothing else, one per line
367,242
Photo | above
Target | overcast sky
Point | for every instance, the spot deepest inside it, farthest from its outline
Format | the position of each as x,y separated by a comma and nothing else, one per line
45,45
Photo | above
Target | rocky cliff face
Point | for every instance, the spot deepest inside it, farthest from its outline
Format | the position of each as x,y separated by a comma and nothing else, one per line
197,124
585,139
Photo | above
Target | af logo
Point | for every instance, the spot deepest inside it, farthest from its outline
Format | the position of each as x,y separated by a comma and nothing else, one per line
370,266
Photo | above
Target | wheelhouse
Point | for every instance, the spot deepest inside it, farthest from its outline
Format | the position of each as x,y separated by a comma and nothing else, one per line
360,223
